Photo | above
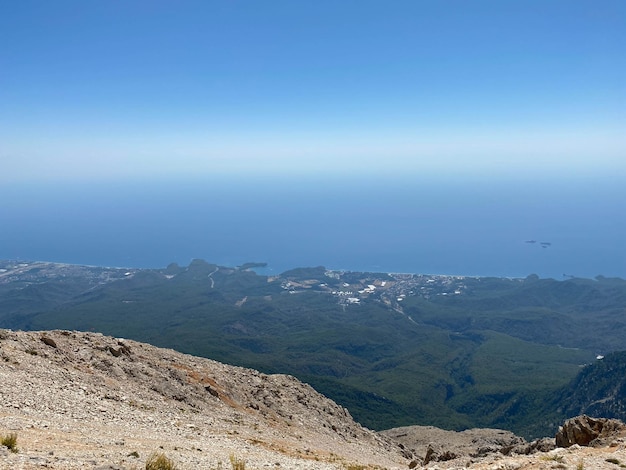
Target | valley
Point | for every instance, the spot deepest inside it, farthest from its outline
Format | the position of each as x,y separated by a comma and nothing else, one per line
395,349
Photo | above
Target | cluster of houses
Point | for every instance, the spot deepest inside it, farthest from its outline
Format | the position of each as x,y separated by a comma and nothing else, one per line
391,291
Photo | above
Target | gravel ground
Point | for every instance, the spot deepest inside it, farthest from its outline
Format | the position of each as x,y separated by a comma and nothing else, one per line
90,401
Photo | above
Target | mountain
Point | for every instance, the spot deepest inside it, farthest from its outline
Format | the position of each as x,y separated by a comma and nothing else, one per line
395,349
598,390
84,400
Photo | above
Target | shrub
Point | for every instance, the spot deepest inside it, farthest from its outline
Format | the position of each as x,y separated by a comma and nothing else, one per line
160,462
236,463
10,441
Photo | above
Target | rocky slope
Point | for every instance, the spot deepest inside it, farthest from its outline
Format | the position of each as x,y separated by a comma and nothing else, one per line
581,443
83,400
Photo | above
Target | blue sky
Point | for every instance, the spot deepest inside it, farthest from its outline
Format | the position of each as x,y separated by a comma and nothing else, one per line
101,90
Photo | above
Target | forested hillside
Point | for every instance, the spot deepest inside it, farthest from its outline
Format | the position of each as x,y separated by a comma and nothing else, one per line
449,351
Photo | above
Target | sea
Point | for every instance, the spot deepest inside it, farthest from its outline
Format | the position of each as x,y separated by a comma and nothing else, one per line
551,227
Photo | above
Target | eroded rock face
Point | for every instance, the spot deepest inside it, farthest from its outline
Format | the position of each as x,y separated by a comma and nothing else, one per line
438,455
584,430
438,445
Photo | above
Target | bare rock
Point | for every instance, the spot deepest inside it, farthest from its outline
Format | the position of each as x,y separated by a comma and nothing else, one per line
544,444
117,352
583,430
440,445
89,400
431,454
438,454
48,341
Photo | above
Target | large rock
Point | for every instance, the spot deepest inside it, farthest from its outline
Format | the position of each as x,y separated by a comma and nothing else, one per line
438,445
438,455
583,430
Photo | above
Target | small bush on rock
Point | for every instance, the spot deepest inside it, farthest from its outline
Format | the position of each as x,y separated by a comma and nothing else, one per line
160,462
10,442
237,463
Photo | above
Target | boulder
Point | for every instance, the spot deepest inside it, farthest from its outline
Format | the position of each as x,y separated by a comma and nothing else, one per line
48,341
438,455
544,444
583,430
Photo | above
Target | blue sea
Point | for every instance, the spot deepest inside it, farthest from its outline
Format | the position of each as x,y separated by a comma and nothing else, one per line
514,228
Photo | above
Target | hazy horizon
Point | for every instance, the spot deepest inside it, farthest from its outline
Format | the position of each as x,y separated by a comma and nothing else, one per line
505,120
99,91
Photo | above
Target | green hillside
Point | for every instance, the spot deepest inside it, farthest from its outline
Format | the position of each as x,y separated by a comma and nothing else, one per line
453,352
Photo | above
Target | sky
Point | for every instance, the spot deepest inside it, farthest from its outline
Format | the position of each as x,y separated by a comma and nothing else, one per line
123,90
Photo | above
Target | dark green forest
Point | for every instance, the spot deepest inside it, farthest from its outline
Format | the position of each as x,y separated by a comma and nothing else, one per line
452,352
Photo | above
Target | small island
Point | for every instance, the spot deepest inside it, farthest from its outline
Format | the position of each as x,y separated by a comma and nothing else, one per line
251,265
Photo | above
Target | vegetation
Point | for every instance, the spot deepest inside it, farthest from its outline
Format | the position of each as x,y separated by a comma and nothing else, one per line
237,463
159,461
494,356
599,389
245,266
10,441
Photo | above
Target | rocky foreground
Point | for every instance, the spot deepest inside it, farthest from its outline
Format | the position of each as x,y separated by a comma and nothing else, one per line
83,400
